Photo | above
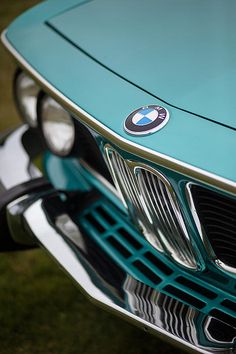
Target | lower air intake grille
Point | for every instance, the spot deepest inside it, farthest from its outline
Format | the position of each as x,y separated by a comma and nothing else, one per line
217,216
153,206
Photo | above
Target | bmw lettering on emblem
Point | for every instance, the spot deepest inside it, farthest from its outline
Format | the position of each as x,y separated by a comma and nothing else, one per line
146,120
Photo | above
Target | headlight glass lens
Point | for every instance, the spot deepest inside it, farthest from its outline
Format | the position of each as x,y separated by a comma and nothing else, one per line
57,126
26,92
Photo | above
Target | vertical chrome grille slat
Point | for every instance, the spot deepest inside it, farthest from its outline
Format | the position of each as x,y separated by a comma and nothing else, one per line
154,201
155,183
164,223
157,223
170,215
153,206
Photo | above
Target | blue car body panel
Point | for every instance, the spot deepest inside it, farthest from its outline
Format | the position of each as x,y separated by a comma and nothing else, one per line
180,51
109,98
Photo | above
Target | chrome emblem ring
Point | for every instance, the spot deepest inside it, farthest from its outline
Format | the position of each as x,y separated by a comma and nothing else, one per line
146,120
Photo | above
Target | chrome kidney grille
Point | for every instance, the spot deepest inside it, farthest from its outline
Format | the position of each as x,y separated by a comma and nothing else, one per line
165,213
126,184
153,207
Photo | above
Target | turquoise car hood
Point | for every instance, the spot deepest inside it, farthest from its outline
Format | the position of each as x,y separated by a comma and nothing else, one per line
51,40
183,52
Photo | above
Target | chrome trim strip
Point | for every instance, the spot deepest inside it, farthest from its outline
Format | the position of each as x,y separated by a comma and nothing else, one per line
203,235
133,148
209,336
100,178
225,267
101,184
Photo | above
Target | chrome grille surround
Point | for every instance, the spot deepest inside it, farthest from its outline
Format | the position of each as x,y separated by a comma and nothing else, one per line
219,263
153,207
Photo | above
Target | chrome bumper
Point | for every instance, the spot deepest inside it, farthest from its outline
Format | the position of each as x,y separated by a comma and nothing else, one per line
42,216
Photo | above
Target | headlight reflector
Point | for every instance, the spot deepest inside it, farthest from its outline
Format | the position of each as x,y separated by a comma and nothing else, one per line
26,92
57,126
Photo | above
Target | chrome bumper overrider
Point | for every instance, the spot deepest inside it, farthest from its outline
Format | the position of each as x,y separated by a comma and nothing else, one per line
43,216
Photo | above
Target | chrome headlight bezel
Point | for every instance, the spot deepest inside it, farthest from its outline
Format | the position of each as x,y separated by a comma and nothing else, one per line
52,127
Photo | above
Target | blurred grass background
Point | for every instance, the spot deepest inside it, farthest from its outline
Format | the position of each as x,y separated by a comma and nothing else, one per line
41,311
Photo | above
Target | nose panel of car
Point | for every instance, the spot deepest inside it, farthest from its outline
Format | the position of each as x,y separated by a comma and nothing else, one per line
103,100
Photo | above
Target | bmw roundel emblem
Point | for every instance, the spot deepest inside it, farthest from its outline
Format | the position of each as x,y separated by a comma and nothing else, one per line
146,120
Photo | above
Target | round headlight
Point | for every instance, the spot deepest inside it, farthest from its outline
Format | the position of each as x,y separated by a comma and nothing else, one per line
57,126
26,92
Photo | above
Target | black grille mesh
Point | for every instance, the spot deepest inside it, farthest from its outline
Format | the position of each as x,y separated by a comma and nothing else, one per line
217,214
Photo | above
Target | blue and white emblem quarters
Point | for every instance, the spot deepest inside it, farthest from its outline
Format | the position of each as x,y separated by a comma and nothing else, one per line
146,120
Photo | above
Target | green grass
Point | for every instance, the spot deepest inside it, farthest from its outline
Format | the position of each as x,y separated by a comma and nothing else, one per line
41,311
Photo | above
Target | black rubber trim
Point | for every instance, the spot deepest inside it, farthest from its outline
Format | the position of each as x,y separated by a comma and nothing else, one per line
24,188
6,197
33,142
